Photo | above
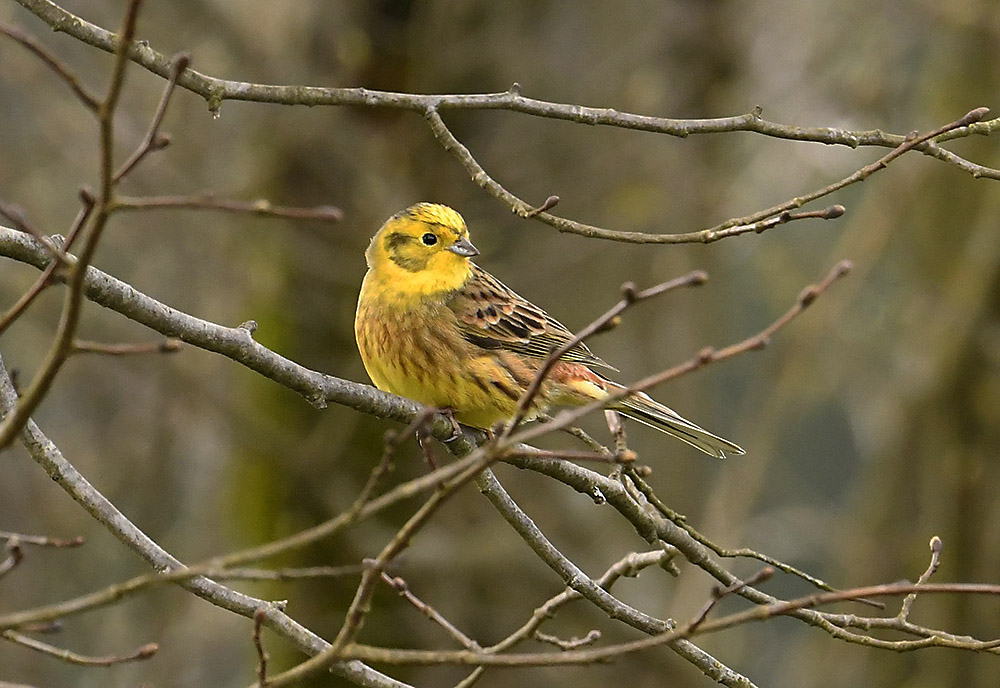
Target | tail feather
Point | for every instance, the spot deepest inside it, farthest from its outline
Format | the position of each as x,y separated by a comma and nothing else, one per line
643,408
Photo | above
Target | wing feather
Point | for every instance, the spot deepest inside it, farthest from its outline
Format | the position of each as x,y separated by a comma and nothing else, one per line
492,316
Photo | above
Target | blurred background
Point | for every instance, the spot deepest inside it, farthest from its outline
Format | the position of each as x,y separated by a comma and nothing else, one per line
870,424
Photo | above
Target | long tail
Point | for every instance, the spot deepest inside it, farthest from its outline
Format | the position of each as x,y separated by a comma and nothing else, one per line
643,408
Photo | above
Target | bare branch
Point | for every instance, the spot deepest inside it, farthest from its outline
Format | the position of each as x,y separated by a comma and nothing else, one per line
41,540
746,225
55,64
49,272
758,613
630,565
61,347
285,574
16,217
479,175
215,91
704,357
260,207
719,592
153,140
578,581
401,587
571,644
757,221
358,609
567,455
258,622
144,652
681,521
167,346
604,322
48,456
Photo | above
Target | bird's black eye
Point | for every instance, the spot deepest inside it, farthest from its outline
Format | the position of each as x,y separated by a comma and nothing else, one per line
429,239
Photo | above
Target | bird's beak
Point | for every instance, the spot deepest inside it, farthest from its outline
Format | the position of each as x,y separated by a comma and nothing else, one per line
464,247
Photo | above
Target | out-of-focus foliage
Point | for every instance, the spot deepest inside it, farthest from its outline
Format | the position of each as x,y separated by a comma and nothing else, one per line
870,425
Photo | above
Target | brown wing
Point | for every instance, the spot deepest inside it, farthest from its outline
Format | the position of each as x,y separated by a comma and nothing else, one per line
493,316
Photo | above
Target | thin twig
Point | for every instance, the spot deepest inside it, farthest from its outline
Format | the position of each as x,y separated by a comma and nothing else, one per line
61,347
50,271
630,297
630,565
357,611
719,592
580,434
284,574
153,140
704,357
549,204
590,590
48,456
55,64
215,91
260,207
258,622
745,552
728,228
401,587
164,347
758,613
32,618
914,140
144,652
936,546
481,177
623,454
567,455
572,644
16,217
41,540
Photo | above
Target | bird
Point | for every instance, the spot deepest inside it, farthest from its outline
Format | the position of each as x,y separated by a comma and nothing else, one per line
433,326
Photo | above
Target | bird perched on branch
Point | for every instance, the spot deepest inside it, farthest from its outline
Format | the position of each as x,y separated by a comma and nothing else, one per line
435,327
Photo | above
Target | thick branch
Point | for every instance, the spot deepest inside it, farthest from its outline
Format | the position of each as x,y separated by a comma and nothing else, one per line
234,342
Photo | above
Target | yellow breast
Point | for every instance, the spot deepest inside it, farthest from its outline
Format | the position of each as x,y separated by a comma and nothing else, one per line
414,350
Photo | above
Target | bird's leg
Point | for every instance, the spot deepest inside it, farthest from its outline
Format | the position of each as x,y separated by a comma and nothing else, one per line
424,436
456,429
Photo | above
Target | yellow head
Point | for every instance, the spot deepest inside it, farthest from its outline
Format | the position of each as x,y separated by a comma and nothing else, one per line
424,249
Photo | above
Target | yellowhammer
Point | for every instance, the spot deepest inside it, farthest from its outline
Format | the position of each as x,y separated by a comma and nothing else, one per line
435,327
